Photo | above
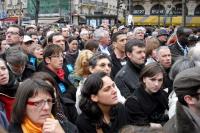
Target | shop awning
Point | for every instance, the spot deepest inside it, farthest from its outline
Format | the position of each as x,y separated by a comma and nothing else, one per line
192,21
10,19
47,20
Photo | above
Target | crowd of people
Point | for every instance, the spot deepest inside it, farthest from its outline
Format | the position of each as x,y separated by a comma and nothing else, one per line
80,79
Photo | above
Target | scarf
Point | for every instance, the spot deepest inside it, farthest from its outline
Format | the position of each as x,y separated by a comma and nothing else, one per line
29,127
60,73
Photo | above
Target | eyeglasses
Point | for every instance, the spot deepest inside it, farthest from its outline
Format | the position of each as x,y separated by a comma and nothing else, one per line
41,103
12,33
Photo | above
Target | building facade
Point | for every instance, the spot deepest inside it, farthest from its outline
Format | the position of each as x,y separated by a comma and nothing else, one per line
164,12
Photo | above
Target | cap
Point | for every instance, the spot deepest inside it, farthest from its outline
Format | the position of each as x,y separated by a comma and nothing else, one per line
27,38
187,81
162,32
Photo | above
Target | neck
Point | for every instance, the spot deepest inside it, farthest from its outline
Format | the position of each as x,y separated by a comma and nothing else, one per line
106,113
119,54
195,110
53,70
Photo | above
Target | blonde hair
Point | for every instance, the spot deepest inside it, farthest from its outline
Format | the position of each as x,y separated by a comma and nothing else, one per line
81,65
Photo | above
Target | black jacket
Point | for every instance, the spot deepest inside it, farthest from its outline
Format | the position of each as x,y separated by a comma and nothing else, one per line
86,124
127,79
65,87
176,51
116,64
143,108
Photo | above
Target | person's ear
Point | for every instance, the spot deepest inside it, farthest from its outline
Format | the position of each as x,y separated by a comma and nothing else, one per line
91,69
94,98
189,100
47,60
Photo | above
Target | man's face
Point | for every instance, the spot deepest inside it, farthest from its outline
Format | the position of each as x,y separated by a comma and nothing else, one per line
137,56
165,58
120,43
59,40
163,38
183,39
55,62
27,46
35,38
105,40
65,32
13,36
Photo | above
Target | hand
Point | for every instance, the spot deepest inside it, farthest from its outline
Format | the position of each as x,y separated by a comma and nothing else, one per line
52,126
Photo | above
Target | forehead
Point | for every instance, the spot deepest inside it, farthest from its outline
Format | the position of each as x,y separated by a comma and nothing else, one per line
136,48
40,94
121,36
164,51
58,37
103,60
13,29
2,63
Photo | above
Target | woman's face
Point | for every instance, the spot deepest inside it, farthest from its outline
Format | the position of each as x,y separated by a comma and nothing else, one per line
73,46
39,107
153,84
107,95
38,52
4,74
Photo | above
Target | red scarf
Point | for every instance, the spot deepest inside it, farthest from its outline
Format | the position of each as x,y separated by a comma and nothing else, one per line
60,73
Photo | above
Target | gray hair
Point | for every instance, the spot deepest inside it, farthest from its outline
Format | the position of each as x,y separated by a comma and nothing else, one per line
99,33
194,54
161,47
15,55
181,64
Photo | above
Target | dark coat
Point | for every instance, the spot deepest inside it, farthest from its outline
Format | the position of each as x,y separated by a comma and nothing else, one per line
65,87
143,108
67,126
176,51
127,79
181,123
86,124
116,64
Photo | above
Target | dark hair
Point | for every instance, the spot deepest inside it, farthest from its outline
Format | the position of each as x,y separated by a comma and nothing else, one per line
27,89
116,34
97,56
151,70
71,38
180,31
51,50
50,38
91,44
133,42
21,31
91,86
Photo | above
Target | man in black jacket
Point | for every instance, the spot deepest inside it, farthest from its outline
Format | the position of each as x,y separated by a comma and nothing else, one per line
180,48
127,79
118,55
